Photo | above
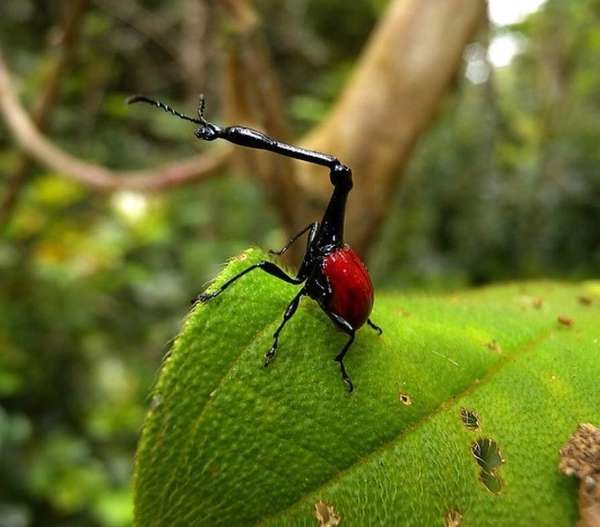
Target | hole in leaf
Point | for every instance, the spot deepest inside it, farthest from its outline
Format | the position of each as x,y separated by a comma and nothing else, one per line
405,399
326,515
491,481
453,518
488,457
470,419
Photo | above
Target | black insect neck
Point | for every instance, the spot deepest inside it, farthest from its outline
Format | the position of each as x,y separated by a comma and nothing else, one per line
331,230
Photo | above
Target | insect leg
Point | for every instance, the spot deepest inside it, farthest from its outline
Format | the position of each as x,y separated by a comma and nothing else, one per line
347,328
312,227
289,313
268,267
375,326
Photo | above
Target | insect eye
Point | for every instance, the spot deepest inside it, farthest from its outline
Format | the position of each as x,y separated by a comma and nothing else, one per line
207,133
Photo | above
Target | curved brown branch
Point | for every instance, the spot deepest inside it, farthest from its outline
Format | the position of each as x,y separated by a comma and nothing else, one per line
60,57
40,148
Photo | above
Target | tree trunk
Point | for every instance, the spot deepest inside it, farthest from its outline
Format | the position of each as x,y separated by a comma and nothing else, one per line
399,81
398,84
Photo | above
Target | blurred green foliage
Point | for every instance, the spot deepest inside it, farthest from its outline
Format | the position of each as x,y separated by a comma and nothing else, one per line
93,286
505,185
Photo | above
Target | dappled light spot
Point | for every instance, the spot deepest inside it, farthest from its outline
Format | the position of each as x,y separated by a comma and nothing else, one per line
453,518
405,399
470,419
326,515
155,402
492,345
565,321
527,302
580,457
488,457
240,257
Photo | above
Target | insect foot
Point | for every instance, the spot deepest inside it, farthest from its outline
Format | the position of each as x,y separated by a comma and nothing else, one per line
204,297
269,356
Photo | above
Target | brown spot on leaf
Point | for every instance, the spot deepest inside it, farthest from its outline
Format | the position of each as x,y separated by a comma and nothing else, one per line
585,300
527,302
214,470
470,419
405,399
492,345
326,515
488,457
565,321
580,457
453,518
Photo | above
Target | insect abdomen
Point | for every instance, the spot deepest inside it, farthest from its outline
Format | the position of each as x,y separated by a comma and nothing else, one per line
351,287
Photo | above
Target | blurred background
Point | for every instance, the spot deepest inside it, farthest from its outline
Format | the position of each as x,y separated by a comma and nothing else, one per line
476,161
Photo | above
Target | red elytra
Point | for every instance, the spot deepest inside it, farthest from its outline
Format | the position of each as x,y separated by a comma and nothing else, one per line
352,290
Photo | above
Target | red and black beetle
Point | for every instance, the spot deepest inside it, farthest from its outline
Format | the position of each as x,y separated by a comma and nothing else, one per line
331,272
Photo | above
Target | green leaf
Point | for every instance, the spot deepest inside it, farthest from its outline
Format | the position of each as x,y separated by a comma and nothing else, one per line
461,391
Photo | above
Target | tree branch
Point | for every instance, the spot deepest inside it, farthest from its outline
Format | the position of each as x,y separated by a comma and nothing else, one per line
69,33
37,146
147,23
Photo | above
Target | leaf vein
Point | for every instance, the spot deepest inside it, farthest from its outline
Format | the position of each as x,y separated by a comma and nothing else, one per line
525,348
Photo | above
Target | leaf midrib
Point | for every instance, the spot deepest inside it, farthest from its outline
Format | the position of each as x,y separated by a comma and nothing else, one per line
527,347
